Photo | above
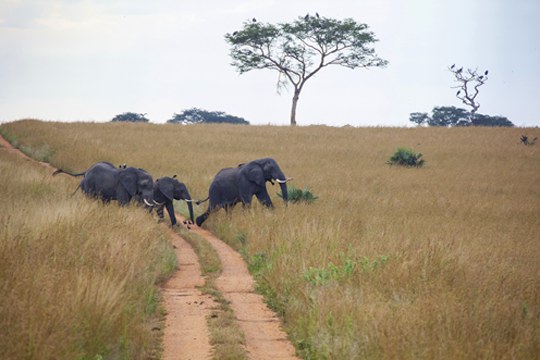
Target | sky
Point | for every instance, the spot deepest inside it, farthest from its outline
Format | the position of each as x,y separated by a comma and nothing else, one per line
81,60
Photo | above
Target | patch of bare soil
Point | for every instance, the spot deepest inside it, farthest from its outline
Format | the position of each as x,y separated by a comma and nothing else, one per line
186,333
9,148
262,329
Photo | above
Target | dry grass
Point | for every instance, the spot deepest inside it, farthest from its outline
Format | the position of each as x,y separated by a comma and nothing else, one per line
78,278
436,262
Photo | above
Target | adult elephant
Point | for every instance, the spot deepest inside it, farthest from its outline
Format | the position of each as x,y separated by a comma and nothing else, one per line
234,185
105,181
167,189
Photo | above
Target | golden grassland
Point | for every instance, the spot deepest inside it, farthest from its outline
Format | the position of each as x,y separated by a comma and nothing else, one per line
78,278
433,262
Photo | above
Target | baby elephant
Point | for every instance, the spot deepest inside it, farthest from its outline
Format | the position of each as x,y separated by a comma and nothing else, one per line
165,190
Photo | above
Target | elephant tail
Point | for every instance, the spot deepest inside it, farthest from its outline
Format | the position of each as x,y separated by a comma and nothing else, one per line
199,202
60,171
78,187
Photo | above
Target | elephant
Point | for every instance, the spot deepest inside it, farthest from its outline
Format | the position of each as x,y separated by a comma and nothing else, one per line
234,185
167,189
105,181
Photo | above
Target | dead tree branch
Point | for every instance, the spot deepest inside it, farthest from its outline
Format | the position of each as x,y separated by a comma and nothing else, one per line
469,82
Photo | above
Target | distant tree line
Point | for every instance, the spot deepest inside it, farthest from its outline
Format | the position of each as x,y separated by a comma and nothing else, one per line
190,116
131,117
449,116
198,116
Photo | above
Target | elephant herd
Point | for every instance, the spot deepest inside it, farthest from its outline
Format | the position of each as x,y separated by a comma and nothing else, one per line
230,186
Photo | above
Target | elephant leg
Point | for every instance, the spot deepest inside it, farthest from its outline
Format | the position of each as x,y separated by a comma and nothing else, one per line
159,210
200,219
264,198
170,210
228,207
211,208
123,201
245,197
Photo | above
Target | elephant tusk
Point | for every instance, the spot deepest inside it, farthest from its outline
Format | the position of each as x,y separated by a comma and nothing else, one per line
158,204
189,201
147,203
284,181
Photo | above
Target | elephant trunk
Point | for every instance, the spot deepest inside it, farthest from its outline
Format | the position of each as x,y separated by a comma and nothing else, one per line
284,192
282,180
190,208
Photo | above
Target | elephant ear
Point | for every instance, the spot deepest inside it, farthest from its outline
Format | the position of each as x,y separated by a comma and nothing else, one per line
254,174
128,179
166,188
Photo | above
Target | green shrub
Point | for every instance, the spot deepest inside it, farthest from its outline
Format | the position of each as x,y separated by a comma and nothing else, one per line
296,195
406,157
322,275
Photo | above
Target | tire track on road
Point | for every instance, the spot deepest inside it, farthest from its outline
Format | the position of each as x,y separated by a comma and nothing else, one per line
265,339
186,335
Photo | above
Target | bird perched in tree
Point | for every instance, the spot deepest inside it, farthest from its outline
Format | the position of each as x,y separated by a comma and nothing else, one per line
486,73
317,14
458,92
306,17
481,77
459,70
254,20
453,66
234,33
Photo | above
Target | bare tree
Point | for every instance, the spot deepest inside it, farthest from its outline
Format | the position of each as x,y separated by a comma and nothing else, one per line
469,81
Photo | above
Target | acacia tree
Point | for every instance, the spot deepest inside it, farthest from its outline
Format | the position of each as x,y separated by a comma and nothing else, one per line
453,116
130,117
300,49
469,82
198,116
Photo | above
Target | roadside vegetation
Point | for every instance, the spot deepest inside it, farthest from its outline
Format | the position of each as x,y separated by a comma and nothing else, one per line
388,262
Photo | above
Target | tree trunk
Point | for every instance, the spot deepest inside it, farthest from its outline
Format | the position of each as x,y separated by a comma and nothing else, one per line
293,108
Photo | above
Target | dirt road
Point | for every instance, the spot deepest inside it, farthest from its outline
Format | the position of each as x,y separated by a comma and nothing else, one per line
186,333
262,329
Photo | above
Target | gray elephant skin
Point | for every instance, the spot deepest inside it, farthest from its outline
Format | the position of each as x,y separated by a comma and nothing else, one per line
240,184
167,189
106,182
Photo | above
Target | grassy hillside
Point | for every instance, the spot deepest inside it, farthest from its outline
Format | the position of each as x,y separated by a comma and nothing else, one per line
434,262
78,279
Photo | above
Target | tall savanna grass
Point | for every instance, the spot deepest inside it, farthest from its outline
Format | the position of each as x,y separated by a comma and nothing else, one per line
78,278
389,262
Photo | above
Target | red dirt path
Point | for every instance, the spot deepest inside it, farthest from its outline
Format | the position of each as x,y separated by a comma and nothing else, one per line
262,329
186,333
